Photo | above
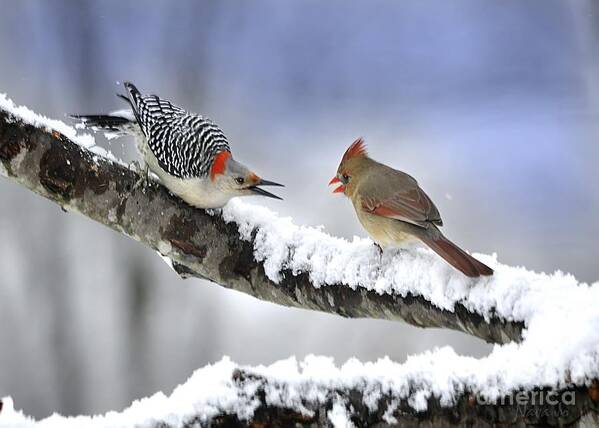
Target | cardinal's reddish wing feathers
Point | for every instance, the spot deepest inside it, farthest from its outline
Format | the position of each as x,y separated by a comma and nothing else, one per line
410,205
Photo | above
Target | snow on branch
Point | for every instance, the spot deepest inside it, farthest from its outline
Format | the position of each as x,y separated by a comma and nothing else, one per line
546,323
251,249
317,393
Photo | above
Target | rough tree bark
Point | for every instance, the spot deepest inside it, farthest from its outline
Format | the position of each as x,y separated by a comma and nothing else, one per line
200,245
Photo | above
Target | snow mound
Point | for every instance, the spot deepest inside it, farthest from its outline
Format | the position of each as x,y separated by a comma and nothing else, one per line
213,391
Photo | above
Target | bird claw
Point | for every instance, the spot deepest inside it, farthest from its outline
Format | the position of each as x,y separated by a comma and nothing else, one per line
134,166
214,211
378,247
141,183
144,176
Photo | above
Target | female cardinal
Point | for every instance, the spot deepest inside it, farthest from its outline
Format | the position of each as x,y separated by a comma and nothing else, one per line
393,208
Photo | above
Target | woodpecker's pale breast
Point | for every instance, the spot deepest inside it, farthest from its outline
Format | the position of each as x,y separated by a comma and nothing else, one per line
196,191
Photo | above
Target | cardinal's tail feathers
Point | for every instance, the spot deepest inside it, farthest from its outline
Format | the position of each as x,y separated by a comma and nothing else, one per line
457,257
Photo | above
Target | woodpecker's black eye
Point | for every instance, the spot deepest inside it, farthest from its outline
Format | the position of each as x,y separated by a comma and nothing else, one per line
240,180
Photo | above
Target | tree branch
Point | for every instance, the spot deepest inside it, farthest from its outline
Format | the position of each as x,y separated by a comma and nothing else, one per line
226,395
199,244
575,406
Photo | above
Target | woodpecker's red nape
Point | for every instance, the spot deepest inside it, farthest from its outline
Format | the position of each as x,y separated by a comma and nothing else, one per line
358,148
219,164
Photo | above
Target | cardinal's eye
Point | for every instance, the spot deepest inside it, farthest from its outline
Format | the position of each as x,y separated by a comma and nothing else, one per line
345,178
239,180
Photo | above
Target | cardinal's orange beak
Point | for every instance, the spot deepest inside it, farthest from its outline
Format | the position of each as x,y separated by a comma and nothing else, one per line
339,189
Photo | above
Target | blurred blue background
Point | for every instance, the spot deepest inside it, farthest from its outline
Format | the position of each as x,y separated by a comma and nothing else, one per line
493,106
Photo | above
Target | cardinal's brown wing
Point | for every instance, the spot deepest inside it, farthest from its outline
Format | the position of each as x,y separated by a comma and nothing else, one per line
395,194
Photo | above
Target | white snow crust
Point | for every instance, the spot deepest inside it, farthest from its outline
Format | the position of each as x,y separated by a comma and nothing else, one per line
30,117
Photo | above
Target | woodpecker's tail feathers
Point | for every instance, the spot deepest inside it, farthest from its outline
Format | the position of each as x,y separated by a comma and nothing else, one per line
107,122
456,257
114,124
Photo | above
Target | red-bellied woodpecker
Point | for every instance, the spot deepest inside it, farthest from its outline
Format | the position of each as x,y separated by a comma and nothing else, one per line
188,152
393,208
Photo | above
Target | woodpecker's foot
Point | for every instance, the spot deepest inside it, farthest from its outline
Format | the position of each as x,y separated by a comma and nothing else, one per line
214,211
143,181
134,166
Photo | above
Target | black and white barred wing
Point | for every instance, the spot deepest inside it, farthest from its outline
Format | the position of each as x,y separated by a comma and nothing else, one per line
184,144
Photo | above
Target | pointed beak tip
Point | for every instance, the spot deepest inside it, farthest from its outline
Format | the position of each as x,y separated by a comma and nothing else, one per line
258,191
269,183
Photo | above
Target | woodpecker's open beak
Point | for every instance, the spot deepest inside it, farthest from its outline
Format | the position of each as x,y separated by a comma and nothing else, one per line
258,191
269,183
341,187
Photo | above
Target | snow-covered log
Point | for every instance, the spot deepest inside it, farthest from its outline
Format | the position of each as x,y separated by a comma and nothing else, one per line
315,393
548,360
246,247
